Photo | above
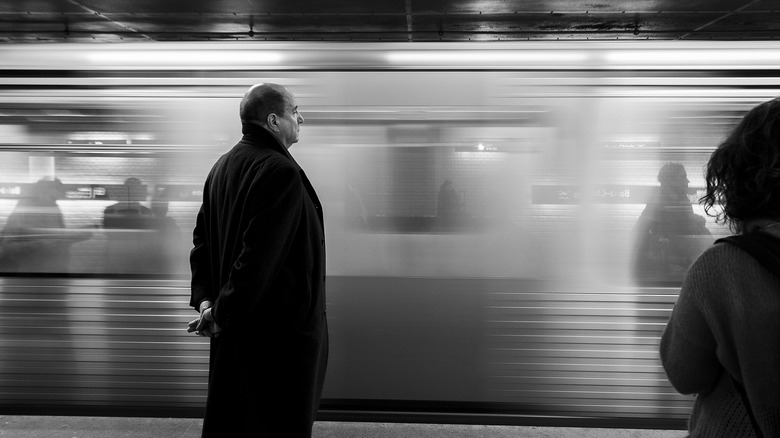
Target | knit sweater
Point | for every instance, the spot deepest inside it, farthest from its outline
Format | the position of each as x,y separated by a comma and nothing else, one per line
725,323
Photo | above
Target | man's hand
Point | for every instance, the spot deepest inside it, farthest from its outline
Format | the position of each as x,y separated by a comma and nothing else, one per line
205,325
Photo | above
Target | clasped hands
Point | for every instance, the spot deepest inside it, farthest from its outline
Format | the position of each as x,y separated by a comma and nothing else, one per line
205,325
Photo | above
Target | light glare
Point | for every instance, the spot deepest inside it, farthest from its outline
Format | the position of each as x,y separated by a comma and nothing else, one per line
183,58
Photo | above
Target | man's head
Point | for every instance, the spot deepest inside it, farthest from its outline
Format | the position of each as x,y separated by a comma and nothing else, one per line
47,190
134,189
674,177
274,108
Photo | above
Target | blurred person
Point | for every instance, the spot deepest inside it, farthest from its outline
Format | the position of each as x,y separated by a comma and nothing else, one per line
167,240
129,212
448,206
159,208
722,339
668,232
130,238
258,279
35,238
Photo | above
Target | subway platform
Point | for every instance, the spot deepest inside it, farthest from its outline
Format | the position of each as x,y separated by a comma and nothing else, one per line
19,426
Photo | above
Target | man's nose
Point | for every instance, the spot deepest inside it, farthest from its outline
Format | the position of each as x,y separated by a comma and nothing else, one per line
300,119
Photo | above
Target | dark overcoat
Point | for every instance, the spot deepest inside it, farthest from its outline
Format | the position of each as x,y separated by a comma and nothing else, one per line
259,256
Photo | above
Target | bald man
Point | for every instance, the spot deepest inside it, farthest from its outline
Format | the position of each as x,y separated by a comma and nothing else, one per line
258,279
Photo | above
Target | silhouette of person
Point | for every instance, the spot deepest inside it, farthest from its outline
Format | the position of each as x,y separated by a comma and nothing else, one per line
448,207
128,212
35,238
667,230
129,225
169,245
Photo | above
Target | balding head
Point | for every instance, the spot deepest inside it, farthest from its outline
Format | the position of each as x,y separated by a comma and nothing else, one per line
262,100
274,108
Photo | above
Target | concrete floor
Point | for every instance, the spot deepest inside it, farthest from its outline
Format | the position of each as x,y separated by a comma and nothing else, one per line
13,426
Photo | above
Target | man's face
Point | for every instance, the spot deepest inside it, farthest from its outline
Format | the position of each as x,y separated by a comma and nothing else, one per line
679,181
289,122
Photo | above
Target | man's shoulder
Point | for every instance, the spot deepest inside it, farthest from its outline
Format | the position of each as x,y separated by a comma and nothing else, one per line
248,163
248,154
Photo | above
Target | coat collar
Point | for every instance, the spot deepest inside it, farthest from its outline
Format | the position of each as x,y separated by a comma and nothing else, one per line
259,136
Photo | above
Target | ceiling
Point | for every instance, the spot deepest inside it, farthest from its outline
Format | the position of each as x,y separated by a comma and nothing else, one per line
386,20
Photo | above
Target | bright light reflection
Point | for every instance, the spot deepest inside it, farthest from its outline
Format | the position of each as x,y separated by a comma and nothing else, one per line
183,58
744,58
487,57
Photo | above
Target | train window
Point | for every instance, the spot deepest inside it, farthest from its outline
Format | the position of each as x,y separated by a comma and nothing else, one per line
95,214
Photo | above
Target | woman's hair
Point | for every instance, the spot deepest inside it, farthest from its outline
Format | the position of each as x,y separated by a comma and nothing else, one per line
743,174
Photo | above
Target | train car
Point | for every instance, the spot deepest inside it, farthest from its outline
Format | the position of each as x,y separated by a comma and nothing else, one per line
497,247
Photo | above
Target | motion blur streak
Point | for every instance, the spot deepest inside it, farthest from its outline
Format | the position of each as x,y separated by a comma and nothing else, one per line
182,58
508,225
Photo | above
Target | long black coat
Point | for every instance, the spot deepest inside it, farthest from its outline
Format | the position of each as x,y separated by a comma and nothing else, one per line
259,255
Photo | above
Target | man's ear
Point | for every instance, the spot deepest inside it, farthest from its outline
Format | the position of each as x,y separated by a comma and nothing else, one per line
273,122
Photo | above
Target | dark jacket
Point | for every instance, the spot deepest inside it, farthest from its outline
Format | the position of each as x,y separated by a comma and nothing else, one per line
259,255
724,324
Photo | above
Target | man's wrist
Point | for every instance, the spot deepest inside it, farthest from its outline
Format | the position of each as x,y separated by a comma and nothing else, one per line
205,304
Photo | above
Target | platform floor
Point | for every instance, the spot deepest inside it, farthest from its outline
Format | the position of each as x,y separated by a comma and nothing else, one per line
14,426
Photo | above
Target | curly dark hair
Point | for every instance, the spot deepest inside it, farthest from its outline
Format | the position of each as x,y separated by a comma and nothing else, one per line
743,174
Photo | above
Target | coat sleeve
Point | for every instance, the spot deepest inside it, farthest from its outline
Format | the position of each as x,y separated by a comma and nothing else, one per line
200,263
688,346
272,213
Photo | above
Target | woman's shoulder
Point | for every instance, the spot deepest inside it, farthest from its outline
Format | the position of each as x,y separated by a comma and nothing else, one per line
717,257
721,247
724,261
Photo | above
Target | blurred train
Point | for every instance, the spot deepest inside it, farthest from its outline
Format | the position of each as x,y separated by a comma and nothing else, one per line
498,250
